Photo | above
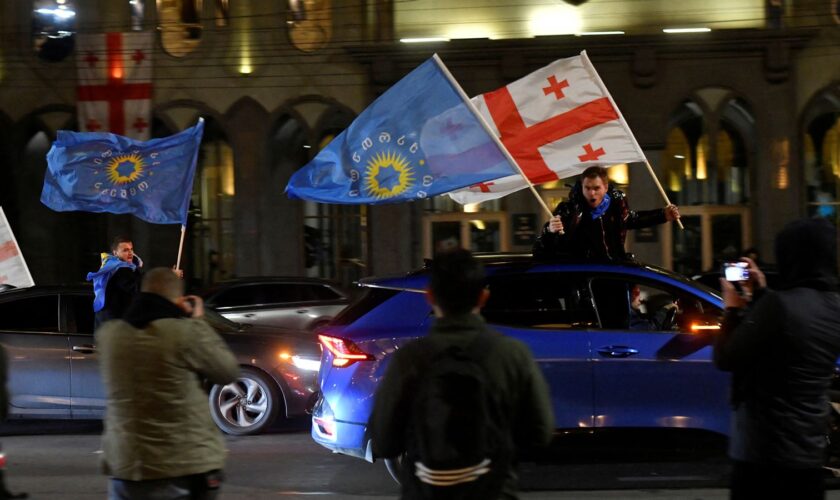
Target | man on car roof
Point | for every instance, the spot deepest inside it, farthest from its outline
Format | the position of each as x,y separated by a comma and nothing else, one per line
593,223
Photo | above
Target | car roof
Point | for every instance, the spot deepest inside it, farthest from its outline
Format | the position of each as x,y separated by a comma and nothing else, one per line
46,290
496,263
274,279
217,287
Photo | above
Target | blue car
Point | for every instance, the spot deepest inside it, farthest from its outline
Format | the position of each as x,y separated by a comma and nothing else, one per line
621,345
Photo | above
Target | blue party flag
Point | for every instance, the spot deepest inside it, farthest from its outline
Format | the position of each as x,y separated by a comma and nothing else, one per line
418,139
102,172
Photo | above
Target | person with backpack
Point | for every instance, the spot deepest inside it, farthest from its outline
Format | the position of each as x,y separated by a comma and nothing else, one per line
458,405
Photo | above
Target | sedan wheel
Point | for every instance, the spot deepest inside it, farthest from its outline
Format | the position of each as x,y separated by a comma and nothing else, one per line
247,406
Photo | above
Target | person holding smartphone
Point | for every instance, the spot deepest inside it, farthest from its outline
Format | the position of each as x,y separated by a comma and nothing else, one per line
781,347
158,352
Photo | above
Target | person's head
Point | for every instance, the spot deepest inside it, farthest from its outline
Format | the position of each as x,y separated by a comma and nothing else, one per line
806,249
635,296
123,248
594,182
162,281
752,253
457,282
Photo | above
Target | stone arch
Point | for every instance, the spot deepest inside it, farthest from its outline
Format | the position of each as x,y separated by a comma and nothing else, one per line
819,132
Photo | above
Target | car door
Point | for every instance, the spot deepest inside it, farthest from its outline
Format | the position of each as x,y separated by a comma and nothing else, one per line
39,364
261,304
320,303
550,313
653,367
87,394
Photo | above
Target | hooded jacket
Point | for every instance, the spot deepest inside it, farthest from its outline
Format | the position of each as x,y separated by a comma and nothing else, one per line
157,422
594,238
782,353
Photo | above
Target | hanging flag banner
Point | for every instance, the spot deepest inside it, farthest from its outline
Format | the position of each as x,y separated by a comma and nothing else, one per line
555,122
115,83
418,139
13,269
95,172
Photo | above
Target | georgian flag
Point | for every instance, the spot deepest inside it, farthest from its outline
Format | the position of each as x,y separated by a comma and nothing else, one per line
555,122
115,83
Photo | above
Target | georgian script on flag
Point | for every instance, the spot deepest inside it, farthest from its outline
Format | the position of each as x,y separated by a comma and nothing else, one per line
13,268
115,83
555,122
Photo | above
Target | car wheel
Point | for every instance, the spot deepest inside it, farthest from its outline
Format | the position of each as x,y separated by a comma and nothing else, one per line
395,467
247,406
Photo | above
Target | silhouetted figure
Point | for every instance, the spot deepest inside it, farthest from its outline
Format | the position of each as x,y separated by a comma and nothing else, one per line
781,347
459,403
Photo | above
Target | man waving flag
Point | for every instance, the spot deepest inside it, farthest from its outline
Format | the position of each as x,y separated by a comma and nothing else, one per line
418,139
555,122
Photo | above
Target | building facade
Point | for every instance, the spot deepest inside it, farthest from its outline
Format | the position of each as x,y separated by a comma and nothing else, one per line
740,123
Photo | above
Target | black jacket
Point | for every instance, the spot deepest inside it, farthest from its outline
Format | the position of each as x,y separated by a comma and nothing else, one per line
782,353
121,290
601,238
510,368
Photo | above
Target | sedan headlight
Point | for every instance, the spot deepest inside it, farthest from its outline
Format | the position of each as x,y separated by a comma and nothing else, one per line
307,364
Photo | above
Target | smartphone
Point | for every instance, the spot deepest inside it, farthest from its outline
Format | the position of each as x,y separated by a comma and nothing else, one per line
736,271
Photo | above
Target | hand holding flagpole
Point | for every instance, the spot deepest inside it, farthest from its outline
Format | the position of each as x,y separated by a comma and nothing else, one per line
600,82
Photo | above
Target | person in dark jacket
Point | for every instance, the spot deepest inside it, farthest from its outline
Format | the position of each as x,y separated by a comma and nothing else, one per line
781,347
117,281
457,292
593,223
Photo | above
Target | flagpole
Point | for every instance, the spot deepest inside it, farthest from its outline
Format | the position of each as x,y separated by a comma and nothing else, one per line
490,132
597,78
180,247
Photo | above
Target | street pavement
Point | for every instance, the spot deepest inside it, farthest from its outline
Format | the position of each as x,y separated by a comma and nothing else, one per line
52,460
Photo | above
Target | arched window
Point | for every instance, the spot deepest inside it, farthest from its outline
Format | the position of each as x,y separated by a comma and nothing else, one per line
212,207
822,164
334,236
702,172
179,23
53,28
706,171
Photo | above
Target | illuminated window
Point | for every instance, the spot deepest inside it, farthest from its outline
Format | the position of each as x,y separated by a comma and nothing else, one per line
334,236
53,28
212,204
699,171
822,165
137,11
179,23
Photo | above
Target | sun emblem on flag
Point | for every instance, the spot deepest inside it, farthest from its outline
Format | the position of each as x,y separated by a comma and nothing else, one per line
388,174
123,169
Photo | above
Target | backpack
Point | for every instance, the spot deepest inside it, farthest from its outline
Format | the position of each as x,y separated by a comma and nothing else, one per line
458,446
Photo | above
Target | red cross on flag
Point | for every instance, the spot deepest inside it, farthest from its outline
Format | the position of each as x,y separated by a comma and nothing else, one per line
555,122
115,83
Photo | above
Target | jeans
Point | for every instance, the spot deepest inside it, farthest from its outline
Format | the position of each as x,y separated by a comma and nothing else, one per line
195,487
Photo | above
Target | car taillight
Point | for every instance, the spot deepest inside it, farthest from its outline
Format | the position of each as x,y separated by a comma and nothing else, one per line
345,352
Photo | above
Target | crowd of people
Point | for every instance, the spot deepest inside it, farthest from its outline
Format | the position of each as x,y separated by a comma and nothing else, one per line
461,403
